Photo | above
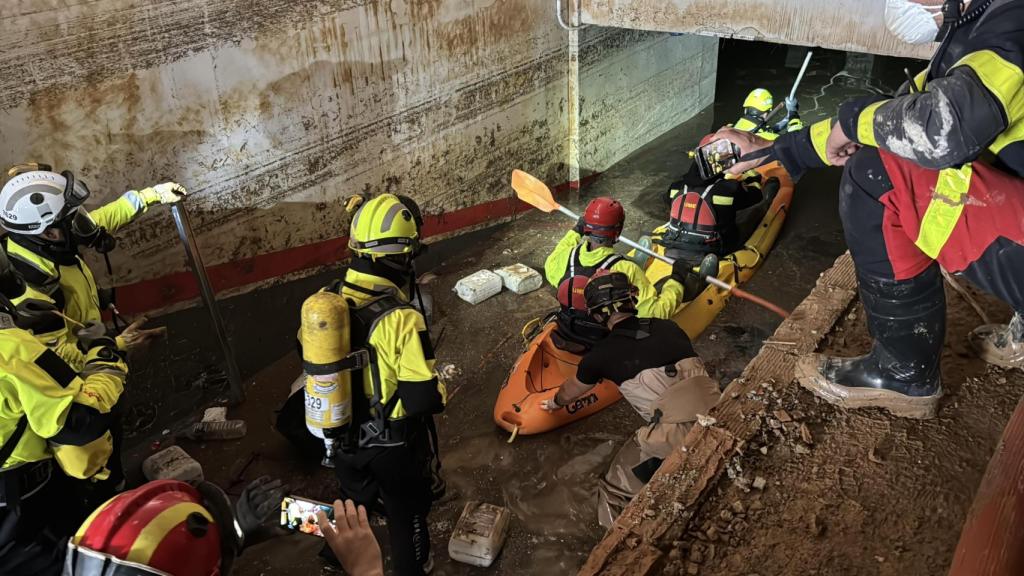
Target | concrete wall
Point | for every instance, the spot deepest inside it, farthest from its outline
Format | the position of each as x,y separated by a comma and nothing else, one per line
850,25
272,111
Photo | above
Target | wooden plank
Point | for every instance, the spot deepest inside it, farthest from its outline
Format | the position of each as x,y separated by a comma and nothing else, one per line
990,543
643,533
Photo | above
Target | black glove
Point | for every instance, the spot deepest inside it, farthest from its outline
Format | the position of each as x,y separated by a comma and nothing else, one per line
680,270
578,228
260,499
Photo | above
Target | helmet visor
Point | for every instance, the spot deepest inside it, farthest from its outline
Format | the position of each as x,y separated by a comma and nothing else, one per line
84,562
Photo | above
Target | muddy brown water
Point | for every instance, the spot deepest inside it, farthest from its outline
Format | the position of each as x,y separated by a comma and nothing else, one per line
548,481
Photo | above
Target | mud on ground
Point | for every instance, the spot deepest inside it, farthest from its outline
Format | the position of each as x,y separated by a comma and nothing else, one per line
859,492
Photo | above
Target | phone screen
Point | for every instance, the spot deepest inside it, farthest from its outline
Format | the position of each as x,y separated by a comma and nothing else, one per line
716,157
300,514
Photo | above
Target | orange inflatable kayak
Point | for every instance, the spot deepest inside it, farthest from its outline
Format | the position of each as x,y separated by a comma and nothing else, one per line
538,373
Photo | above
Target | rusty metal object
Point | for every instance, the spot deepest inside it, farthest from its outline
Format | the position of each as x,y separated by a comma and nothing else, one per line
990,543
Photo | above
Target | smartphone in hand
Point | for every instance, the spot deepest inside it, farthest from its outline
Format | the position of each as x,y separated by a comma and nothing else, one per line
299,514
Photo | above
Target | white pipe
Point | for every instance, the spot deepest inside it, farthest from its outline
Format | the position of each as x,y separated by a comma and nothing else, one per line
800,76
561,22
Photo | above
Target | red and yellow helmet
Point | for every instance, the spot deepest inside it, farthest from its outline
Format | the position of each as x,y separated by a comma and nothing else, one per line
165,527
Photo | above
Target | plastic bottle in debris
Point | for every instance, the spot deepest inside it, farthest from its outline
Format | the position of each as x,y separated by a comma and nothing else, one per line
226,430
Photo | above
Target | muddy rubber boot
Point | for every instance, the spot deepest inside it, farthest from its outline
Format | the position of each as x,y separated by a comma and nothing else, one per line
1001,344
901,374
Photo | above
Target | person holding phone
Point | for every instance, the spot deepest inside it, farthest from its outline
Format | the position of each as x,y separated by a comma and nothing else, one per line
933,177
351,539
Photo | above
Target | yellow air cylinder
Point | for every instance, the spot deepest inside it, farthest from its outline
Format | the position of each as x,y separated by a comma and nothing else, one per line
325,338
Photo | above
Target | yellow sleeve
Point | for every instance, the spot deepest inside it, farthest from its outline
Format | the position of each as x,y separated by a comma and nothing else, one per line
558,260
403,344
102,380
120,212
43,398
68,351
651,304
819,134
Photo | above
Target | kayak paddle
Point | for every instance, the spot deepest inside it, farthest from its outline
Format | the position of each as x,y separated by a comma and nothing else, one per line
531,190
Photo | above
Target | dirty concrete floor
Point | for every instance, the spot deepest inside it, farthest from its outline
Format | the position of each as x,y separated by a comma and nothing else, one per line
548,481
859,492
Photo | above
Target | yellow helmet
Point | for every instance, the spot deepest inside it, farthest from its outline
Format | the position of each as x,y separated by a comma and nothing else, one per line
384,226
759,99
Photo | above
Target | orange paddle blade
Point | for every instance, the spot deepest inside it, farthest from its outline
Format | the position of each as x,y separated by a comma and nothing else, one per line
534,192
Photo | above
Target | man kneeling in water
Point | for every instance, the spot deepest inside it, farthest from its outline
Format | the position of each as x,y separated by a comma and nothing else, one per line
653,363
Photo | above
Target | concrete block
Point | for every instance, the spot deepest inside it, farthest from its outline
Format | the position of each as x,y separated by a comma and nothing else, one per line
479,534
172,463
478,286
520,278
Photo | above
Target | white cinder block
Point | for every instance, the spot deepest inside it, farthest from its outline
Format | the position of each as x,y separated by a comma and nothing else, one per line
520,278
172,463
478,286
479,534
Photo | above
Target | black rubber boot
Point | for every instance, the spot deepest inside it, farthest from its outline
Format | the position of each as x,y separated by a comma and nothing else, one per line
907,320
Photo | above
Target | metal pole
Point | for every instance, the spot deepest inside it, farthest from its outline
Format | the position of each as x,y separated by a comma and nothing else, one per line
236,395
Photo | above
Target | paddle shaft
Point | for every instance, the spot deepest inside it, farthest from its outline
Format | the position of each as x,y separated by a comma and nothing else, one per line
710,279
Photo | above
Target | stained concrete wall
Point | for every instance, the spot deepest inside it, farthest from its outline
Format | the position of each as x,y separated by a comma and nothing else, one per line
272,111
850,25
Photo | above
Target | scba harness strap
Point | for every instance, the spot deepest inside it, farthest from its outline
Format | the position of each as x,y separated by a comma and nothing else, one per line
372,414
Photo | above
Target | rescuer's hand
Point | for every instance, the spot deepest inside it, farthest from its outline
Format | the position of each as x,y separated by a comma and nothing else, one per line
90,333
260,499
839,147
680,270
792,106
747,143
134,336
351,539
166,193
550,405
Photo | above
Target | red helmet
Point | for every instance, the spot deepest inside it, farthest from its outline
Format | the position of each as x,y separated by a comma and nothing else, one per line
603,218
163,527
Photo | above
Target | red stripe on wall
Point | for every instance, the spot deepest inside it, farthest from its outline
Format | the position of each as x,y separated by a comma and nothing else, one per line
161,292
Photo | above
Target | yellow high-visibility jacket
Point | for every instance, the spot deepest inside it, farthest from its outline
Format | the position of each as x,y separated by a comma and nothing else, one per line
405,355
651,303
62,407
70,285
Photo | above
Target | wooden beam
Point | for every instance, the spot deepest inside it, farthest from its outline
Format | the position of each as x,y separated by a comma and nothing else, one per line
660,514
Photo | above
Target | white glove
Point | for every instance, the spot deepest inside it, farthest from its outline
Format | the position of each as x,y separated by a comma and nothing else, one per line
166,193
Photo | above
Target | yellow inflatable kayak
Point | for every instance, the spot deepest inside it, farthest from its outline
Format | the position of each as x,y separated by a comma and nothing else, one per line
736,268
543,367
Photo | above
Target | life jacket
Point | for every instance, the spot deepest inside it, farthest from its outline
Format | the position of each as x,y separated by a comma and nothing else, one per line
577,331
373,422
576,276
693,225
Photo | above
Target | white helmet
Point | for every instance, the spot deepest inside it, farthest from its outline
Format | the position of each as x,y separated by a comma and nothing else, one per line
35,199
